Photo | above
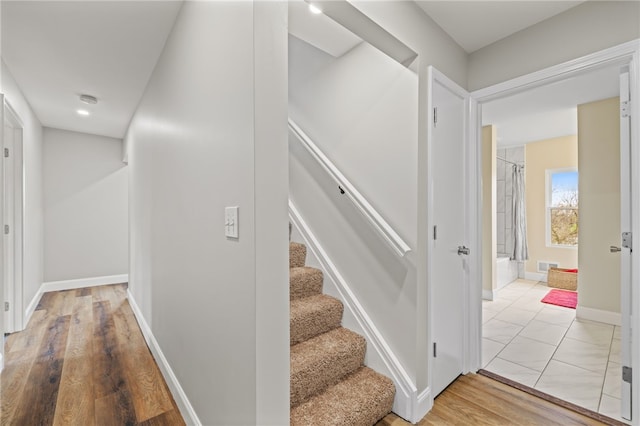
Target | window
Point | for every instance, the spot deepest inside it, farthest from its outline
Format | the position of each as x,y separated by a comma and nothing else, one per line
562,207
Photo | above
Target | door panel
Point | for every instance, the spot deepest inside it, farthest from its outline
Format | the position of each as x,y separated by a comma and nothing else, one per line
447,276
625,254
8,192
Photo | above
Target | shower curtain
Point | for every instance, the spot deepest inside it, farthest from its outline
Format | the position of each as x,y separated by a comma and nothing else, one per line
519,224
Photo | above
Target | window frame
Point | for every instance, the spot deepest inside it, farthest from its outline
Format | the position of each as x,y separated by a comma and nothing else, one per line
547,205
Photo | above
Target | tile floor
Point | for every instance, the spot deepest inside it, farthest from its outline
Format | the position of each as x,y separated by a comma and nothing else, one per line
546,347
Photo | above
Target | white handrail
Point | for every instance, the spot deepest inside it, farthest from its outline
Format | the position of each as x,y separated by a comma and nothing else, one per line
374,218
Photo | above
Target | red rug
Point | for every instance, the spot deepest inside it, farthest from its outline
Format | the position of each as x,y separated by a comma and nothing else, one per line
568,299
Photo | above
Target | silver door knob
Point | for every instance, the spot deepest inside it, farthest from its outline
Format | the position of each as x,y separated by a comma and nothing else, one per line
463,250
614,249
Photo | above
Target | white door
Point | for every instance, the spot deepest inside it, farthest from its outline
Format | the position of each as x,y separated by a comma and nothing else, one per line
8,192
2,267
625,226
447,251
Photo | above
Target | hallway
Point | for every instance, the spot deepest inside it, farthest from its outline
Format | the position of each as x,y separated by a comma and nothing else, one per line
83,360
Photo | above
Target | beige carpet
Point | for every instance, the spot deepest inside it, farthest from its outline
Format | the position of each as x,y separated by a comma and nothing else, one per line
329,383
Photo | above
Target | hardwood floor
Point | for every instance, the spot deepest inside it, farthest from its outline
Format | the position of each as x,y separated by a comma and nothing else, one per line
82,360
479,400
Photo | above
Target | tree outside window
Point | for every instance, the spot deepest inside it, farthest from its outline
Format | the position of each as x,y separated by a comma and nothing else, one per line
562,207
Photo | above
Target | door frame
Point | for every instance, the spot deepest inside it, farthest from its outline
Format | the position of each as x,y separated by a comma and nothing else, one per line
624,54
16,319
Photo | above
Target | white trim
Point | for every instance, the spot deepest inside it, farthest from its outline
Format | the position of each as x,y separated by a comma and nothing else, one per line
548,195
84,282
70,285
423,404
607,317
185,407
535,276
489,294
374,218
621,53
407,403
33,305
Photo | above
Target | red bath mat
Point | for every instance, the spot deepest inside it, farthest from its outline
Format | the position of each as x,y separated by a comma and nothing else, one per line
568,299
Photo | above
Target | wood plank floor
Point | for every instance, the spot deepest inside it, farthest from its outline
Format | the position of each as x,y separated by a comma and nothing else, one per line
82,360
477,400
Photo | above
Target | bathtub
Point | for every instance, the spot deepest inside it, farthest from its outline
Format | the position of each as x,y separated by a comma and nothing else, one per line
506,270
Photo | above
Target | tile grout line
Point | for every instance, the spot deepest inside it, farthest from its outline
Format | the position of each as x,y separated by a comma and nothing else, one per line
606,370
553,354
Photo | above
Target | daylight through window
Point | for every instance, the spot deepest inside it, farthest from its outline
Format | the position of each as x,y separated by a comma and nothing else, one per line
562,207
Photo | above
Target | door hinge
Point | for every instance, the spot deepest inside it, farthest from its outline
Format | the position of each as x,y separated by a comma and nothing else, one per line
6,306
435,352
6,153
6,229
435,232
625,109
627,240
627,374
435,116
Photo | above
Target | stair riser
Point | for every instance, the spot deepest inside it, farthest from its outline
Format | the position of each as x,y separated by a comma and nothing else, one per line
297,255
308,325
313,378
304,282
362,399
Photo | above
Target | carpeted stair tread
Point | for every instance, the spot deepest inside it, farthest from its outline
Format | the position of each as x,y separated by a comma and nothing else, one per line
323,361
314,315
304,282
361,399
297,255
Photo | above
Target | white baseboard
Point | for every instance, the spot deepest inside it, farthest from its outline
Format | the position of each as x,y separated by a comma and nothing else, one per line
591,314
408,404
84,282
70,285
185,407
423,404
535,276
31,307
489,294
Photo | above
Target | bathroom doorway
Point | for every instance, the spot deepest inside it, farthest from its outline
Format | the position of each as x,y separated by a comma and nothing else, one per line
544,133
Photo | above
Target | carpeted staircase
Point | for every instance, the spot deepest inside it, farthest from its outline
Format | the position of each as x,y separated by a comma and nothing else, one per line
329,383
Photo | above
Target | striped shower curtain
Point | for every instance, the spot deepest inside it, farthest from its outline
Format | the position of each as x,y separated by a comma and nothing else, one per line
519,220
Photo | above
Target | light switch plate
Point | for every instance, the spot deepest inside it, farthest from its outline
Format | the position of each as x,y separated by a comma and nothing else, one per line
231,222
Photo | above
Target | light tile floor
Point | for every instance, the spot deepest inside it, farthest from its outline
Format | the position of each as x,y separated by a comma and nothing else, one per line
545,347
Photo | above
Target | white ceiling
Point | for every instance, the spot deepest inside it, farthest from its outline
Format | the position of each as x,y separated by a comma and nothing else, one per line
59,50
476,24
549,111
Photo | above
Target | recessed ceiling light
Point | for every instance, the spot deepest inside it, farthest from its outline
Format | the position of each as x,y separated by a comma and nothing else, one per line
88,99
83,112
315,9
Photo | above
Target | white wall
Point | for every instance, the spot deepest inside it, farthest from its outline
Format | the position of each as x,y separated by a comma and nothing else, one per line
599,220
362,111
85,206
33,183
411,25
210,132
588,28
